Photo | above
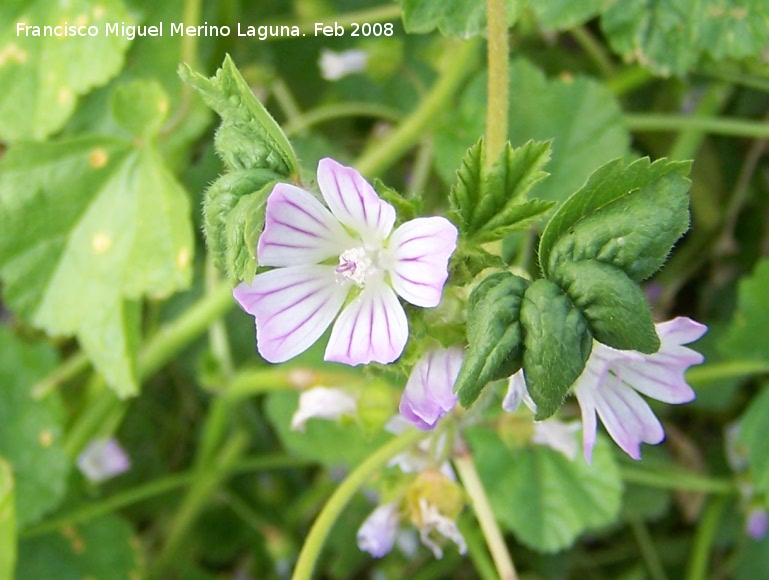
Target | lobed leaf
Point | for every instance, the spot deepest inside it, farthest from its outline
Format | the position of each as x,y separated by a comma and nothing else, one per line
628,217
43,76
614,307
566,14
90,226
746,335
248,138
557,344
494,334
543,497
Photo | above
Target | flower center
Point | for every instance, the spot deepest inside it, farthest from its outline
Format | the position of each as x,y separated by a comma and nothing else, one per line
355,265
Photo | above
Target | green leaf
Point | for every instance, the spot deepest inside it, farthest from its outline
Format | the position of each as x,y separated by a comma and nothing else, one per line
628,217
102,548
753,436
746,336
491,204
140,107
494,335
670,37
42,76
248,138
457,18
90,226
543,497
7,522
614,306
580,117
566,14
321,439
557,344
406,208
233,212
30,429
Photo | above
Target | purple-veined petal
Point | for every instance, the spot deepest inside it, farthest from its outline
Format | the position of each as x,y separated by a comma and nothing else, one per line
421,249
298,230
322,403
680,330
292,306
373,327
354,202
377,533
517,393
585,389
658,381
429,392
627,417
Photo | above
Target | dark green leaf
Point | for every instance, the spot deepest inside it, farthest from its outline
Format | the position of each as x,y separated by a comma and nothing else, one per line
30,430
42,76
493,333
457,18
628,217
248,138
233,212
543,497
557,344
565,14
491,204
753,436
614,306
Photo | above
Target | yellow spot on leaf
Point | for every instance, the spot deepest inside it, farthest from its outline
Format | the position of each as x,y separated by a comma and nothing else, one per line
163,106
12,53
81,20
567,77
64,95
76,542
183,258
98,11
98,158
101,243
46,438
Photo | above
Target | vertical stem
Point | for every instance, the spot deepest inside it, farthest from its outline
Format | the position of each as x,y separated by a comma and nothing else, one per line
315,540
498,98
703,540
494,538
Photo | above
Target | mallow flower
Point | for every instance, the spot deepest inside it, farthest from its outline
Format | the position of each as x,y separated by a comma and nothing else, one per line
610,384
103,459
378,532
344,257
429,392
336,65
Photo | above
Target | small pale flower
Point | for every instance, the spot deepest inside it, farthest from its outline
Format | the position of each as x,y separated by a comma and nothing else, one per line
103,459
378,532
347,259
612,380
757,523
433,522
517,393
429,392
336,65
322,403
557,435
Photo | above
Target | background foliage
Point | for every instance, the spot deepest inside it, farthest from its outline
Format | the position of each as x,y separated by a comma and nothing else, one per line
116,321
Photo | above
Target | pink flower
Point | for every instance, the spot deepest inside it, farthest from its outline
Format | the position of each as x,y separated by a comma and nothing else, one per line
612,380
347,259
429,392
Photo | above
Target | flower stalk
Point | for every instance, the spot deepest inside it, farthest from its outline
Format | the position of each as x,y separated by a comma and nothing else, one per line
498,84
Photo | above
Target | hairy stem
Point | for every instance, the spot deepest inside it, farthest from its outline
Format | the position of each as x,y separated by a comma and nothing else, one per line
498,98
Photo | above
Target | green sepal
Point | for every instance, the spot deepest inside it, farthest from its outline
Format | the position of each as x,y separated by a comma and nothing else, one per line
140,106
233,218
494,334
614,307
628,217
490,204
557,344
406,208
248,138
